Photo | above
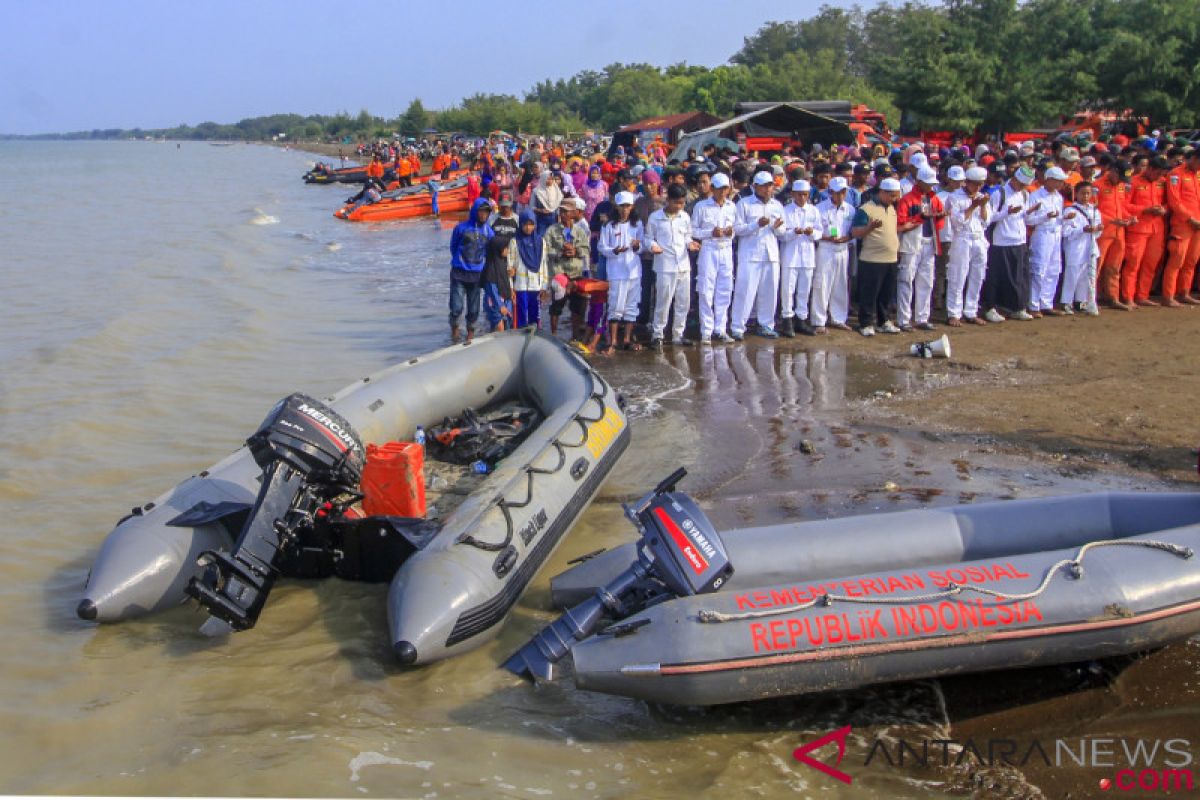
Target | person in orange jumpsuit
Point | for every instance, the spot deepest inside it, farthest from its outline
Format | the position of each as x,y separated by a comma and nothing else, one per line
404,171
1156,246
1147,208
1183,242
375,169
1112,192
415,161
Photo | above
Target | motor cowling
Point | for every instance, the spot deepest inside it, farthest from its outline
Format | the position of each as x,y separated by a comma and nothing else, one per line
309,455
685,548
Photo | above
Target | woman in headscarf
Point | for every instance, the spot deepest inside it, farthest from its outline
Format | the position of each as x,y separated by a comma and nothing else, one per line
547,197
529,267
576,173
593,192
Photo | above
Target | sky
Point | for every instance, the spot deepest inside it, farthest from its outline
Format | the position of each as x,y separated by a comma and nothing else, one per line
72,65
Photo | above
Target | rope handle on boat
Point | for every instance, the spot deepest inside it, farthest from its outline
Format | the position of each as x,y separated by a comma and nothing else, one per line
530,471
1074,568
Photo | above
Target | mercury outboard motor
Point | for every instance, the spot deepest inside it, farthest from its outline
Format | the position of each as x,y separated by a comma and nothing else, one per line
309,455
680,554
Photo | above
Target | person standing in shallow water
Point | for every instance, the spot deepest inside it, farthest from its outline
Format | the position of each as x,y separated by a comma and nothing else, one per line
468,256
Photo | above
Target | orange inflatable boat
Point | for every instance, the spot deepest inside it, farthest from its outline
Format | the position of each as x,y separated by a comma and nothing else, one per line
409,202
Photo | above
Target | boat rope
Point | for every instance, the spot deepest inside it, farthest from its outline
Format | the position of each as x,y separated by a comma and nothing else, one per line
505,505
1072,566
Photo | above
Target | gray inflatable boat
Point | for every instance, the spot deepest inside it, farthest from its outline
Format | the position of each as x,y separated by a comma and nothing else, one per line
842,603
275,507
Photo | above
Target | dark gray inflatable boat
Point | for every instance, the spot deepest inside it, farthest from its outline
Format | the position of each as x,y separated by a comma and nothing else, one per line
841,603
273,507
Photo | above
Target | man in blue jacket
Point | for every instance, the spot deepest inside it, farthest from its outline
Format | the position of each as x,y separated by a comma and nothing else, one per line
468,255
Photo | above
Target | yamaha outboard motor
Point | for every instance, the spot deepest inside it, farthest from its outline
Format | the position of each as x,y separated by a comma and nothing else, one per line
309,455
680,554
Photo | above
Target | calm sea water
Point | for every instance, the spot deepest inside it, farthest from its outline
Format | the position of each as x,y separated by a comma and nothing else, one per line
156,300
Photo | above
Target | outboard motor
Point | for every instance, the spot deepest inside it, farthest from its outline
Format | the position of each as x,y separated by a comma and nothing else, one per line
309,455
680,554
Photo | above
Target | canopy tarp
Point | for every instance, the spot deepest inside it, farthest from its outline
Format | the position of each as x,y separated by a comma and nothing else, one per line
777,119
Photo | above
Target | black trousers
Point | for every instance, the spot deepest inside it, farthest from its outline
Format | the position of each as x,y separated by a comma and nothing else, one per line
1008,278
876,291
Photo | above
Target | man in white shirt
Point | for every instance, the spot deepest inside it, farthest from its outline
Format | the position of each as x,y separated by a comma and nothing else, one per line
669,234
831,278
797,259
968,208
1007,283
1045,245
758,225
955,175
712,226
620,242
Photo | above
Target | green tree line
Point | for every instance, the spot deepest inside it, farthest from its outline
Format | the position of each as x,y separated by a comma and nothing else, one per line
995,65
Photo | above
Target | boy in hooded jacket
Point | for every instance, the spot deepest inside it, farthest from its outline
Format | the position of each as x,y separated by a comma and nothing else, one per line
468,257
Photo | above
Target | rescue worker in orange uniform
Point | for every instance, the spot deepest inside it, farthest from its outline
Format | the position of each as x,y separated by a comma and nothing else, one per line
1183,242
1146,205
1156,247
1112,192
415,161
404,171
375,169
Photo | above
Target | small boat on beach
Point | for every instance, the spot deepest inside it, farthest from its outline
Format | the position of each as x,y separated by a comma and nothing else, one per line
323,173
285,504
837,604
409,202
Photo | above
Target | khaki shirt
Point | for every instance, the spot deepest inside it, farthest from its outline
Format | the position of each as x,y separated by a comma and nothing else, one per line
881,245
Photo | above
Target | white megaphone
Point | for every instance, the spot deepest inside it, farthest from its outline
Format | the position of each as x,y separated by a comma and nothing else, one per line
938,348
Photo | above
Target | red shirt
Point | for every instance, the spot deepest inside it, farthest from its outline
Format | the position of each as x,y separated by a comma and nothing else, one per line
908,211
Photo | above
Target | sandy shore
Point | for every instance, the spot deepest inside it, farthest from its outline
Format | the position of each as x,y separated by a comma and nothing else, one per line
1120,388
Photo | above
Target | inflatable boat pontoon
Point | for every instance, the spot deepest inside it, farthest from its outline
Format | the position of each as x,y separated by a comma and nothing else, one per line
275,506
842,603
408,202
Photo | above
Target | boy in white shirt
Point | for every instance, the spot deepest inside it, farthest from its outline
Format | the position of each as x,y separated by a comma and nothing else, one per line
620,243
797,259
669,234
1081,227
758,225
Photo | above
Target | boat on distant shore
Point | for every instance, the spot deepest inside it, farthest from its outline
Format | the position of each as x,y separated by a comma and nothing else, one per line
842,603
284,504
409,202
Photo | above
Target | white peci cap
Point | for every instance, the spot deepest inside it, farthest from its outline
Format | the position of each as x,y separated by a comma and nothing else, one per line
890,185
801,186
720,181
956,173
624,199
977,174
927,175
762,178
838,185
1055,174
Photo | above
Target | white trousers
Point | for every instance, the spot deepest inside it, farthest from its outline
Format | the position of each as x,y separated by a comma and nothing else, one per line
1079,282
795,287
714,288
914,284
624,297
831,285
1045,262
671,289
756,288
965,269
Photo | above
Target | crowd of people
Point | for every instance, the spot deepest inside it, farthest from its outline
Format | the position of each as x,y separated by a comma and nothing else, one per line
719,245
